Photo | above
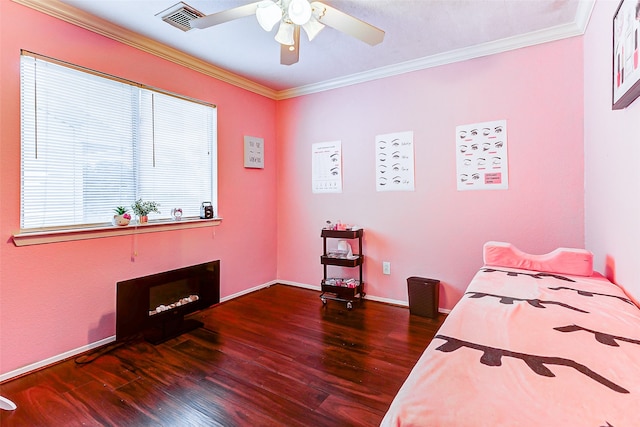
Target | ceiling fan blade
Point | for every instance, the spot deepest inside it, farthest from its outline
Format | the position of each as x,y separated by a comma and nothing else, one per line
347,24
288,56
224,16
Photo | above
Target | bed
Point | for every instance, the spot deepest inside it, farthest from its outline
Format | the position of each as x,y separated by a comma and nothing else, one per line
536,340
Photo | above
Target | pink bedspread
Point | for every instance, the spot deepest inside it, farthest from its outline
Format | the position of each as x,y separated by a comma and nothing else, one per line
524,348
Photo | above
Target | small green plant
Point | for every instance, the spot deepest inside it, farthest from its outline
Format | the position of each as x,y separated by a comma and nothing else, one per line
142,208
121,210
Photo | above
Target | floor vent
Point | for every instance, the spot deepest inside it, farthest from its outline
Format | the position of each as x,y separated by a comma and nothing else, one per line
179,15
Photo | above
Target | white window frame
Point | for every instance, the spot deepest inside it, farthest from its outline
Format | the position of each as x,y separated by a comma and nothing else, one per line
73,231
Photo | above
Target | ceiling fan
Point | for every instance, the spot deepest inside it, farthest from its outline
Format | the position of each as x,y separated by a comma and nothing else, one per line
293,14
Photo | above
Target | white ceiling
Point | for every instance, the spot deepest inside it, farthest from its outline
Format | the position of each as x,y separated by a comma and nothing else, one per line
419,33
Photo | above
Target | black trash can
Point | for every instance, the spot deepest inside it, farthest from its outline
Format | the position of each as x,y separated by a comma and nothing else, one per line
423,296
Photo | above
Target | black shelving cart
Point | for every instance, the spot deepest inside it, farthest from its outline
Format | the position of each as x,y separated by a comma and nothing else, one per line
347,290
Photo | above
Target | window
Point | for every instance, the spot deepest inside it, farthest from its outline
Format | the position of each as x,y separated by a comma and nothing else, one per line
91,142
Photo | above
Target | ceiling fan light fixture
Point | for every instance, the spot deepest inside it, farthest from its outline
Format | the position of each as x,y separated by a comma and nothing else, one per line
299,11
312,27
285,33
268,14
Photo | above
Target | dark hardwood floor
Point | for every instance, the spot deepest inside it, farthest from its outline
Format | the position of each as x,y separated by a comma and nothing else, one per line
273,357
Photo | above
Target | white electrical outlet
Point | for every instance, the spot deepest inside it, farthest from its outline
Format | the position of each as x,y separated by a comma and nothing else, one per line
386,267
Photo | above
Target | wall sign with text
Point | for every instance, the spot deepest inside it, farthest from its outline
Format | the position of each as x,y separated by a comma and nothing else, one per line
253,152
394,162
326,167
481,156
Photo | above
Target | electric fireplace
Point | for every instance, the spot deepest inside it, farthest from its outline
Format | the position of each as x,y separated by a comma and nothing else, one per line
156,305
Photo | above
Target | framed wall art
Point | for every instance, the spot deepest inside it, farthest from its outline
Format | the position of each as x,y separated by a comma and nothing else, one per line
326,167
626,66
253,152
394,162
481,156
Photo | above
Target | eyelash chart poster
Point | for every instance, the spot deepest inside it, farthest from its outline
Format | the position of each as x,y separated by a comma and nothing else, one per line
481,156
394,162
326,167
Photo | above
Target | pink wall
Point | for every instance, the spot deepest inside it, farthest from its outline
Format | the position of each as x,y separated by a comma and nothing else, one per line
612,154
58,297
436,231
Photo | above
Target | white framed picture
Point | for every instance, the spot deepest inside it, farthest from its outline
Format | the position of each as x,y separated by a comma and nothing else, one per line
481,156
394,162
253,152
326,167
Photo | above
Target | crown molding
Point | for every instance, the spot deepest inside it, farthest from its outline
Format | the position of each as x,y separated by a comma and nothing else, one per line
92,23
576,28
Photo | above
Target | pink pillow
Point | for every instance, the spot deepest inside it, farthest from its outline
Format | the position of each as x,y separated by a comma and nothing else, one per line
578,262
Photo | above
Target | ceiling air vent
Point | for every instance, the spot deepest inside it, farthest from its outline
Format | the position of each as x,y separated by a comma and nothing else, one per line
179,15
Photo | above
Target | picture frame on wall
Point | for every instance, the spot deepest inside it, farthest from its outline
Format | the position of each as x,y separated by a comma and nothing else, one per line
253,152
626,61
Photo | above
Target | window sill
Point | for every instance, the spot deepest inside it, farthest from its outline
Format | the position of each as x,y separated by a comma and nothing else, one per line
27,238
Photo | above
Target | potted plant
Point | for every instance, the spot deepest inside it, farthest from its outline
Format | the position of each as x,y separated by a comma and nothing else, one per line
142,209
122,216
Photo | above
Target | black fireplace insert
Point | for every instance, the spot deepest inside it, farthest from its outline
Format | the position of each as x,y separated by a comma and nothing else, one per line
156,305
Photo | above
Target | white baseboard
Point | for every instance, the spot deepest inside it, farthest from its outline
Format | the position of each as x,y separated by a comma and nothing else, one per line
299,285
50,361
248,291
59,358
368,296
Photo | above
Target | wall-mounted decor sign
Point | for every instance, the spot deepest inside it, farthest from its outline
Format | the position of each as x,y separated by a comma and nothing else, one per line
481,156
394,162
326,167
253,152
626,67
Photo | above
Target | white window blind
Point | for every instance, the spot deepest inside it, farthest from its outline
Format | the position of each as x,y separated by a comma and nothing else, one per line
91,142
